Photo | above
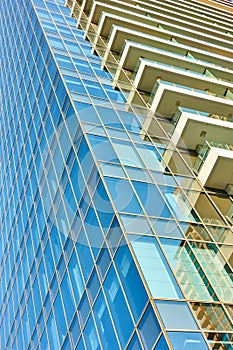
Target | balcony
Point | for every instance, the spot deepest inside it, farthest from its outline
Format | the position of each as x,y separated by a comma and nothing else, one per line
148,72
146,27
166,97
120,39
132,52
214,165
192,129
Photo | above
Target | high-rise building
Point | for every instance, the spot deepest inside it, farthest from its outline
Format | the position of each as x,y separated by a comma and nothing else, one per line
116,146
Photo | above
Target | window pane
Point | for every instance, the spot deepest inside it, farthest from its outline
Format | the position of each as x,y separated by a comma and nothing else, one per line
149,328
90,335
60,319
154,267
152,200
75,330
162,344
176,315
127,154
104,324
67,298
187,341
131,280
167,228
118,307
123,195
135,224
216,269
188,270
134,343
151,157
76,277
102,148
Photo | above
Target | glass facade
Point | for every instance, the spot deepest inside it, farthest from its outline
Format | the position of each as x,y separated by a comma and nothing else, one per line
106,243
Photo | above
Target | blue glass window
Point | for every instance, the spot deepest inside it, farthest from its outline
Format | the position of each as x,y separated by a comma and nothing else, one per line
60,319
130,121
163,178
80,345
93,285
36,297
103,261
134,343
66,344
103,206
39,3
26,328
31,313
131,280
114,95
76,277
54,287
188,269
127,153
52,333
75,330
43,280
187,341
102,148
176,315
94,232
118,307
61,267
151,157
55,243
44,344
179,203
20,338
83,66
104,324
109,117
112,170
152,200
162,344
90,335
166,228
135,224
149,328
154,266
84,254
85,203
43,14
56,42
77,181
94,89
87,112
123,195
138,174
75,85
74,47
67,298
84,308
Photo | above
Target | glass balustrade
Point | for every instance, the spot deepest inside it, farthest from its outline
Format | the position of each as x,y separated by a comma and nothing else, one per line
204,151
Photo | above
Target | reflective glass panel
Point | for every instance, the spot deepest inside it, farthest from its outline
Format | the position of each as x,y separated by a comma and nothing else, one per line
154,266
187,269
187,341
176,315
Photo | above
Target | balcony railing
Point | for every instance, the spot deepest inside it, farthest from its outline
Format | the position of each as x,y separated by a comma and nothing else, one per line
176,116
204,151
163,82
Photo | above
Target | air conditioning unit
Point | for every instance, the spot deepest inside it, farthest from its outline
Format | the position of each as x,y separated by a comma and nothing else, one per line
229,189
